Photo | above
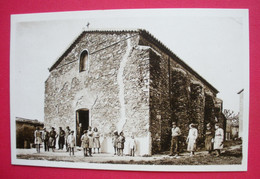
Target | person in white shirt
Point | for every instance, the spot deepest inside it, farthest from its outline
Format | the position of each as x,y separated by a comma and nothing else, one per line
176,132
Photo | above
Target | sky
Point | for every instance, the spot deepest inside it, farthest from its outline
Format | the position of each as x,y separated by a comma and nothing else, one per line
212,42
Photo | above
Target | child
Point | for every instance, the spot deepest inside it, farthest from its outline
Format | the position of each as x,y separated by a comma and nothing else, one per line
191,139
219,138
85,143
38,139
209,135
132,146
96,140
71,142
120,144
114,141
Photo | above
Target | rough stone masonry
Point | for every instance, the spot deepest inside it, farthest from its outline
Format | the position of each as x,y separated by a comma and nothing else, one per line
127,80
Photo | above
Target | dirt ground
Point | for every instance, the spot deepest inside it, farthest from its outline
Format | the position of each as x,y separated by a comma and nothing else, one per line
232,154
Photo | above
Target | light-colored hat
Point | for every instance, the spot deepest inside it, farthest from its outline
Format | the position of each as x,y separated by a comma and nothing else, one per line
191,125
217,124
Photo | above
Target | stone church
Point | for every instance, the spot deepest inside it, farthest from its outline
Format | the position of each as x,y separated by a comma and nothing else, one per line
127,80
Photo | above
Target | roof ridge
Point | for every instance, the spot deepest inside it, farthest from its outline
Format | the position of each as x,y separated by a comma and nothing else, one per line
143,32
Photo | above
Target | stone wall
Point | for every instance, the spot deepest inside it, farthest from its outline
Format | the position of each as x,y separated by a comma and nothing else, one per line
159,102
98,90
131,84
175,95
180,99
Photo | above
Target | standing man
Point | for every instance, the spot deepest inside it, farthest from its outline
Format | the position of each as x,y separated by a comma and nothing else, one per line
52,138
45,137
176,132
80,132
61,138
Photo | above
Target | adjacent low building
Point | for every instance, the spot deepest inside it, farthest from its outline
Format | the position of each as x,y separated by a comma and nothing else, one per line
25,131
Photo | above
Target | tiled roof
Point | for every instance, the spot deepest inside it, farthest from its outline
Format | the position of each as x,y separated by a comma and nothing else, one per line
28,121
148,36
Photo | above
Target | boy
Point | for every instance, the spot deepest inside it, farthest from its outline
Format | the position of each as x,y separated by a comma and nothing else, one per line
71,142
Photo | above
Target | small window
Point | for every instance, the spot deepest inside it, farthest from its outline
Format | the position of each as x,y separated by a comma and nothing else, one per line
83,61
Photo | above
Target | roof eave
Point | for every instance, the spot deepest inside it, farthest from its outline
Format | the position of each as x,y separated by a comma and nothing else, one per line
175,57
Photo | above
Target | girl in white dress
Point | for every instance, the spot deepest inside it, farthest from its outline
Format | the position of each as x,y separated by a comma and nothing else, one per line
71,141
96,140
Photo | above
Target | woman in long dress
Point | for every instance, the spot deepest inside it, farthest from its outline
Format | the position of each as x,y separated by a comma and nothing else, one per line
96,140
120,144
209,135
219,138
191,139
91,141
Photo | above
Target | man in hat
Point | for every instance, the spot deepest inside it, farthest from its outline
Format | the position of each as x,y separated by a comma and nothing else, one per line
176,132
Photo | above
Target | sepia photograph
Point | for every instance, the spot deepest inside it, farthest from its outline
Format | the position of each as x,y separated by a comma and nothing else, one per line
139,89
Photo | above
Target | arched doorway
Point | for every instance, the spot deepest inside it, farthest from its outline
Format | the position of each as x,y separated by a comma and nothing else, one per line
82,123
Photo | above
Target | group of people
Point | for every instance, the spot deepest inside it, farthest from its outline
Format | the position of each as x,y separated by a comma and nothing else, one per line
118,141
213,139
49,138
90,140
67,138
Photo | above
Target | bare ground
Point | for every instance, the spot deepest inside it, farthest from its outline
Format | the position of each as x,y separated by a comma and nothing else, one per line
231,155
